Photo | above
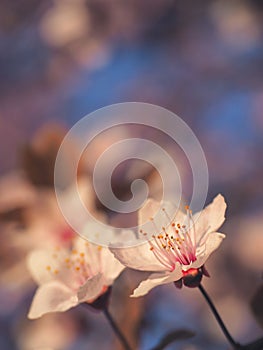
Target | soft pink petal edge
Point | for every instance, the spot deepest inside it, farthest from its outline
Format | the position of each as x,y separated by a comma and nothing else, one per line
111,267
157,279
52,297
212,243
211,217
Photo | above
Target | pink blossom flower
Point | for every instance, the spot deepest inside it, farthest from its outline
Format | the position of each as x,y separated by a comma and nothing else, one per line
67,278
179,245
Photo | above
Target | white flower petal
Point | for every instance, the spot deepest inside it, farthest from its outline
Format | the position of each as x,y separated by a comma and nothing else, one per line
156,279
213,241
38,262
210,219
139,257
92,252
91,289
52,297
154,210
45,266
111,267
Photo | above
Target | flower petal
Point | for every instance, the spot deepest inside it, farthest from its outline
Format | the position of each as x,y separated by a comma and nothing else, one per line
100,259
111,267
52,297
92,252
45,266
138,257
38,262
91,289
156,279
209,219
213,241
152,218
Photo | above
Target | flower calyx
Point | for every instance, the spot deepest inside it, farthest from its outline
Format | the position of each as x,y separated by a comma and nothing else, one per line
192,277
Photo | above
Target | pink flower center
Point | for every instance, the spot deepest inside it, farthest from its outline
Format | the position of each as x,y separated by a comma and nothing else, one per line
176,244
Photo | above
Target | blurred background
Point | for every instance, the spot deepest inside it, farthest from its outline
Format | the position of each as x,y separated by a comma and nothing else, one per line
62,59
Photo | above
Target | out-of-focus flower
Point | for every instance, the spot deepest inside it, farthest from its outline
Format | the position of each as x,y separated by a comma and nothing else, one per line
67,278
40,224
38,157
245,251
30,217
179,247
65,22
236,23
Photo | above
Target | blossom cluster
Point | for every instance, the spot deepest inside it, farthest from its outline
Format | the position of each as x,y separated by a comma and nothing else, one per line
175,250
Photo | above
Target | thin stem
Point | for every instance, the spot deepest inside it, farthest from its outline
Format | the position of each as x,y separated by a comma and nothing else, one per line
219,320
116,329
